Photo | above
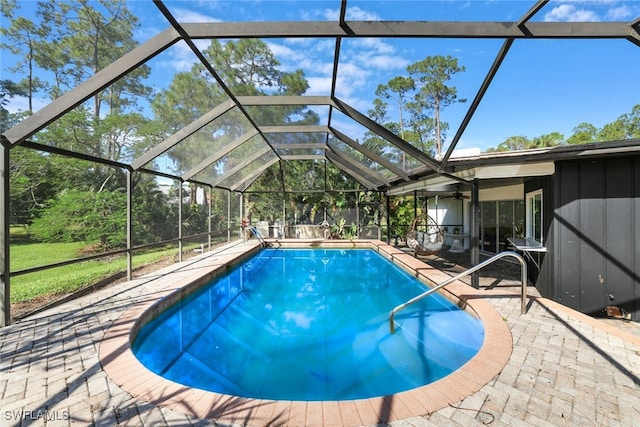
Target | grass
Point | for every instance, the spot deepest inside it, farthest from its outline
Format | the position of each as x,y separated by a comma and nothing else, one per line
27,255
69,278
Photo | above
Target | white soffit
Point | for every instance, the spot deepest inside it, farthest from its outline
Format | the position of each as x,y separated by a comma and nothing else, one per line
519,170
433,183
509,171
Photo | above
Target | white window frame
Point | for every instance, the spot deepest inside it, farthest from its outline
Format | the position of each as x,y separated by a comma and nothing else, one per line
529,200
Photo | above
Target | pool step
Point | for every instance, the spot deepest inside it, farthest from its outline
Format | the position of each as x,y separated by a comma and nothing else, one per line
425,347
208,377
234,311
411,363
380,358
218,336
448,338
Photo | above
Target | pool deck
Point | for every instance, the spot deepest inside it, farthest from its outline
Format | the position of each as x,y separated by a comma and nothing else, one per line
552,366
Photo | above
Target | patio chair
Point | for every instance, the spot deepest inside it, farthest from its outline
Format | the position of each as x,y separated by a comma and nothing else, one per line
425,242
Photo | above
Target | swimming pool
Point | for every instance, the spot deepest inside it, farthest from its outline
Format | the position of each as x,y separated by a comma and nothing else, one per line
308,324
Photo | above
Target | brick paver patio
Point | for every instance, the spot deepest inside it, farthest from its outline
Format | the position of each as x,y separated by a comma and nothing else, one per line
565,369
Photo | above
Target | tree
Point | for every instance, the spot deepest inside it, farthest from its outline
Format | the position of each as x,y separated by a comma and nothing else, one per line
423,127
23,38
8,90
397,89
582,134
248,67
552,139
31,177
626,126
74,41
91,217
423,95
378,113
513,143
613,131
631,122
431,76
92,38
8,7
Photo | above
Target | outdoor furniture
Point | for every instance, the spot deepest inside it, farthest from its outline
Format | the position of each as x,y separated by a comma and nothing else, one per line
458,241
425,242
526,246
310,231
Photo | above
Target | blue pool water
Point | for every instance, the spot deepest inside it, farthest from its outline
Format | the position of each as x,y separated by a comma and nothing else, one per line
308,324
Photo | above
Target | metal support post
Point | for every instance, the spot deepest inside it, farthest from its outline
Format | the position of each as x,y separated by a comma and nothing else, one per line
357,214
474,231
242,236
180,221
387,215
282,233
5,268
228,216
129,224
210,206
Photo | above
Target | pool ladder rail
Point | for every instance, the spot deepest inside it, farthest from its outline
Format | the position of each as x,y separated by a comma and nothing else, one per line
256,233
523,271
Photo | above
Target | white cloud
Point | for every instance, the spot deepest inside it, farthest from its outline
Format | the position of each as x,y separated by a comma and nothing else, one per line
189,16
355,75
619,13
570,13
387,62
374,54
320,86
179,57
328,14
300,41
373,44
285,53
357,14
146,32
305,58
353,14
375,61
592,11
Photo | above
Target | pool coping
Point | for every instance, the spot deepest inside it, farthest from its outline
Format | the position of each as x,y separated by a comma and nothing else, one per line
124,369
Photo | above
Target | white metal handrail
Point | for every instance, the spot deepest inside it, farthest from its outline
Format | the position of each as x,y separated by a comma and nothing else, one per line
523,271
256,233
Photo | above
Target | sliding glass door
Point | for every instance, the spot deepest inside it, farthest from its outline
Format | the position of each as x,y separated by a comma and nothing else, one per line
489,231
500,220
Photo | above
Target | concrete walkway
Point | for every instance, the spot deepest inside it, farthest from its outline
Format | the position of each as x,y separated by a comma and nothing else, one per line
566,369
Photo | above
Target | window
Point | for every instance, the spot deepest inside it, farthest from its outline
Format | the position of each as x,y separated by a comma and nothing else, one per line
534,215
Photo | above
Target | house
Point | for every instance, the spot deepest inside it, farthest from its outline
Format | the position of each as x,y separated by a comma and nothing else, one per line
582,203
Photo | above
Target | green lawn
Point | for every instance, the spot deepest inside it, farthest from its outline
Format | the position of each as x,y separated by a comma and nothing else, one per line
27,255
62,280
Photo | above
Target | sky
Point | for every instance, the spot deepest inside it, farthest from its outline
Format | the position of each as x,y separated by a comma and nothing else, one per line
543,86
